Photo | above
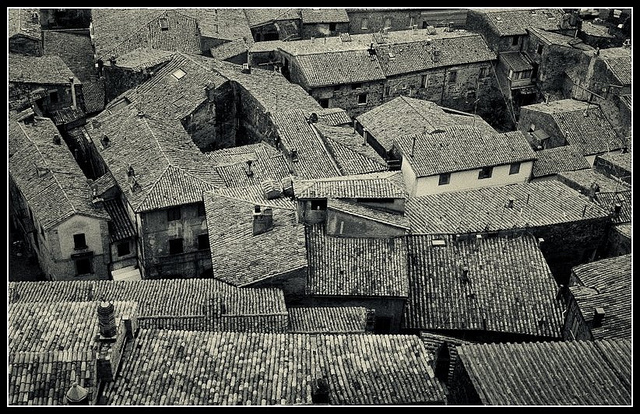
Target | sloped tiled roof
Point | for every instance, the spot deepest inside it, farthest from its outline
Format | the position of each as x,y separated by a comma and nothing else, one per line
313,157
598,30
168,168
261,16
581,180
360,210
48,69
509,287
341,266
392,368
559,39
404,116
57,326
529,374
510,22
554,160
20,22
618,59
606,284
265,165
334,319
74,49
351,66
516,61
349,150
387,184
310,16
403,58
43,378
239,257
93,92
333,117
121,227
230,49
144,57
226,23
485,209
62,191
590,134
242,153
620,160
462,148
167,297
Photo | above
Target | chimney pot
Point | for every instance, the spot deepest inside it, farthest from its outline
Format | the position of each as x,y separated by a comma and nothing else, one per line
262,221
77,395
56,139
106,320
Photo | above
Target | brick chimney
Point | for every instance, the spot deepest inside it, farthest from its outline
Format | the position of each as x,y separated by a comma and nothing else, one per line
107,321
77,395
262,220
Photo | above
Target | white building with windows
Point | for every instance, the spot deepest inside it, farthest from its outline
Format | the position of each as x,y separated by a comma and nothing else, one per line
463,157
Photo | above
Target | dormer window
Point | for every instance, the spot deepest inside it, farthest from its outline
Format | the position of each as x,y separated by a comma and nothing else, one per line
164,24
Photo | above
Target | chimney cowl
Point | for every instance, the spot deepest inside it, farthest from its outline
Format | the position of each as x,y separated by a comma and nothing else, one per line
76,395
106,320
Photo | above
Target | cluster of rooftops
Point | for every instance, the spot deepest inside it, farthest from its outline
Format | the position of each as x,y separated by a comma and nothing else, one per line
459,261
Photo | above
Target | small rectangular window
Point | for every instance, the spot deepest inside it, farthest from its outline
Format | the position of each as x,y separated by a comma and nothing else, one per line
173,214
362,99
123,249
484,72
453,76
424,81
324,103
53,96
356,86
514,168
164,24
175,246
444,179
485,172
332,27
539,51
318,204
515,40
203,242
364,25
79,241
83,267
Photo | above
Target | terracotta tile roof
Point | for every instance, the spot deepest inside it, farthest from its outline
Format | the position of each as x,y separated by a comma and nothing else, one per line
168,167
391,368
510,288
94,95
258,309
536,373
618,60
120,226
606,284
17,136
623,229
310,16
590,134
620,160
554,160
313,158
356,209
43,378
581,180
333,319
144,57
230,49
227,23
510,22
242,153
609,200
355,266
535,204
119,31
57,326
387,184
408,116
261,16
435,344
351,66
349,150
333,117
60,190
66,115
559,39
516,61
75,50
403,58
598,30
462,148
21,22
47,70
240,258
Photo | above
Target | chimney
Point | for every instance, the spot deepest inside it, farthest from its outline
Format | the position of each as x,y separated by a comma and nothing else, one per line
73,93
77,395
294,155
56,139
112,60
131,172
107,321
105,141
598,316
287,186
262,220
313,118
616,210
140,114
540,241
271,189
465,274
209,91
510,202
246,68
249,171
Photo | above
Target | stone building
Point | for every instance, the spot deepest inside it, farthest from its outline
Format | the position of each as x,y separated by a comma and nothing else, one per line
377,20
25,32
323,22
64,224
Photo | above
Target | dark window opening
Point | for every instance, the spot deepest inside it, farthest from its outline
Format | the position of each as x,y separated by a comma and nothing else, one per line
362,99
79,241
336,87
382,325
203,242
515,40
424,81
164,24
484,72
332,27
444,179
318,204
53,96
173,214
175,246
201,210
356,86
485,172
124,249
539,51
514,168
324,103
424,24
83,267
453,76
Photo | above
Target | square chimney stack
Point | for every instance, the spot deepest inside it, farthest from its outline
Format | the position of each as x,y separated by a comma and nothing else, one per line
262,220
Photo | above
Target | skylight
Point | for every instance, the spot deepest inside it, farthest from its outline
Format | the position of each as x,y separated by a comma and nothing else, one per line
178,74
